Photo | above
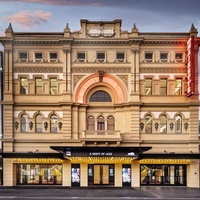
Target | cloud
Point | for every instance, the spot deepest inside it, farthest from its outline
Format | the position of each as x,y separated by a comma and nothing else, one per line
29,18
61,2
2,33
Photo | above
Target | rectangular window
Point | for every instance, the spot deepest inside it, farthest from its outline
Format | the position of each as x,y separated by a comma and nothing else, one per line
53,86
23,86
23,57
53,57
120,57
163,86
149,57
148,86
81,56
38,85
38,57
101,57
178,87
179,57
164,57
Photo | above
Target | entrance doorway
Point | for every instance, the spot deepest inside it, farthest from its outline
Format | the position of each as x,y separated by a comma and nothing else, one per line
100,174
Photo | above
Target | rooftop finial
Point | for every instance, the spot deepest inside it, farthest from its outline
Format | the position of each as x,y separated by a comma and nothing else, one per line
9,30
193,30
134,29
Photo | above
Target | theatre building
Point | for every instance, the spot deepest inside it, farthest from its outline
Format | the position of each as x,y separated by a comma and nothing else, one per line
100,106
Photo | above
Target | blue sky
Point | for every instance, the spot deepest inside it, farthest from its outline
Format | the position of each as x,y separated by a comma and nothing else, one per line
52,15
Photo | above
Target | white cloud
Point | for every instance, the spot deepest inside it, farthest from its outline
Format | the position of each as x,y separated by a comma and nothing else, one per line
29,18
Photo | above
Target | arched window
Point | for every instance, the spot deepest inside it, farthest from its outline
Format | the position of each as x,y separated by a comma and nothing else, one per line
100,96
54,124
38,124
100,123
148,124
90,123
178,124
110,123
24,123
163,124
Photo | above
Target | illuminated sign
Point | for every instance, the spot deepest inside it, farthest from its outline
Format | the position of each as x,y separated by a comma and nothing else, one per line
190,67
100,154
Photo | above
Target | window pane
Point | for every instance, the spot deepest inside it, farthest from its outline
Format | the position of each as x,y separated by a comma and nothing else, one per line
38,55
178,124
178,87
179,55
81,56
100,55
53,55
23,86
100,96
163,87
148,86
53,86
120,56
148,55
90,123
24,123
163,124
148,124
111,123
23,55
54,122
38,124
38,86
100,123
163,56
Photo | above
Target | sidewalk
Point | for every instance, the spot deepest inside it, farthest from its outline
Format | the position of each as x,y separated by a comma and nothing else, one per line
57,193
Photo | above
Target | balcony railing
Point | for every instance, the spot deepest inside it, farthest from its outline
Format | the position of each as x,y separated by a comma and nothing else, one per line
110,135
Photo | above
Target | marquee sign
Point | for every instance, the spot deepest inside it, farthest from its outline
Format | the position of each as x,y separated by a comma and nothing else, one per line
190,67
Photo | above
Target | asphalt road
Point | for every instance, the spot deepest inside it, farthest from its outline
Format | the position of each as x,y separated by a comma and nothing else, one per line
127,193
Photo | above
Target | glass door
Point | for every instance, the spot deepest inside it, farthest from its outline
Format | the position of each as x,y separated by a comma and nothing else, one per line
101,174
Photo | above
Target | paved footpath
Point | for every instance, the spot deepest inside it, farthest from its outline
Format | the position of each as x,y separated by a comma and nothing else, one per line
127,193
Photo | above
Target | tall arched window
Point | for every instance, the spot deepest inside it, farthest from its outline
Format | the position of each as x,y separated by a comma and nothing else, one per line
24,123
38,123
100,123
90,123
148,124
178,124
163,124
100,96
110,123
54,124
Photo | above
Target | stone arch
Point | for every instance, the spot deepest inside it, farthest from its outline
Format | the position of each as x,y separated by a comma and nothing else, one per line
109,81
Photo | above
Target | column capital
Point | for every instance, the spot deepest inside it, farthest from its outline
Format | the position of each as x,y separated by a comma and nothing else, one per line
135,51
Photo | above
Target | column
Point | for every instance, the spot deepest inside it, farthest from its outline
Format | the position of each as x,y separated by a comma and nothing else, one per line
135,173
84,174
118,175
67,122
66,176
135,76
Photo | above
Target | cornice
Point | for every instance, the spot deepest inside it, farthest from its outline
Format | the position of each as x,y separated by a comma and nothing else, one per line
113,41
38,70
106,70
162,70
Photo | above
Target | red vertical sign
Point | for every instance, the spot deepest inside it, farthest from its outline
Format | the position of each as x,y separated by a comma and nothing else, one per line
190,67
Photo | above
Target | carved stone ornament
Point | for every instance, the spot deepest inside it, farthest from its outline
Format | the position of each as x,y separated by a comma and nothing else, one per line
156,126
60,125
31,125
186,126
100,32
142,126
46,125
171,125
16,124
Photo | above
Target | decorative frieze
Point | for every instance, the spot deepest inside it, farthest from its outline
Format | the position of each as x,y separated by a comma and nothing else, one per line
162,70
77,78
38,70
124,78
106,70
